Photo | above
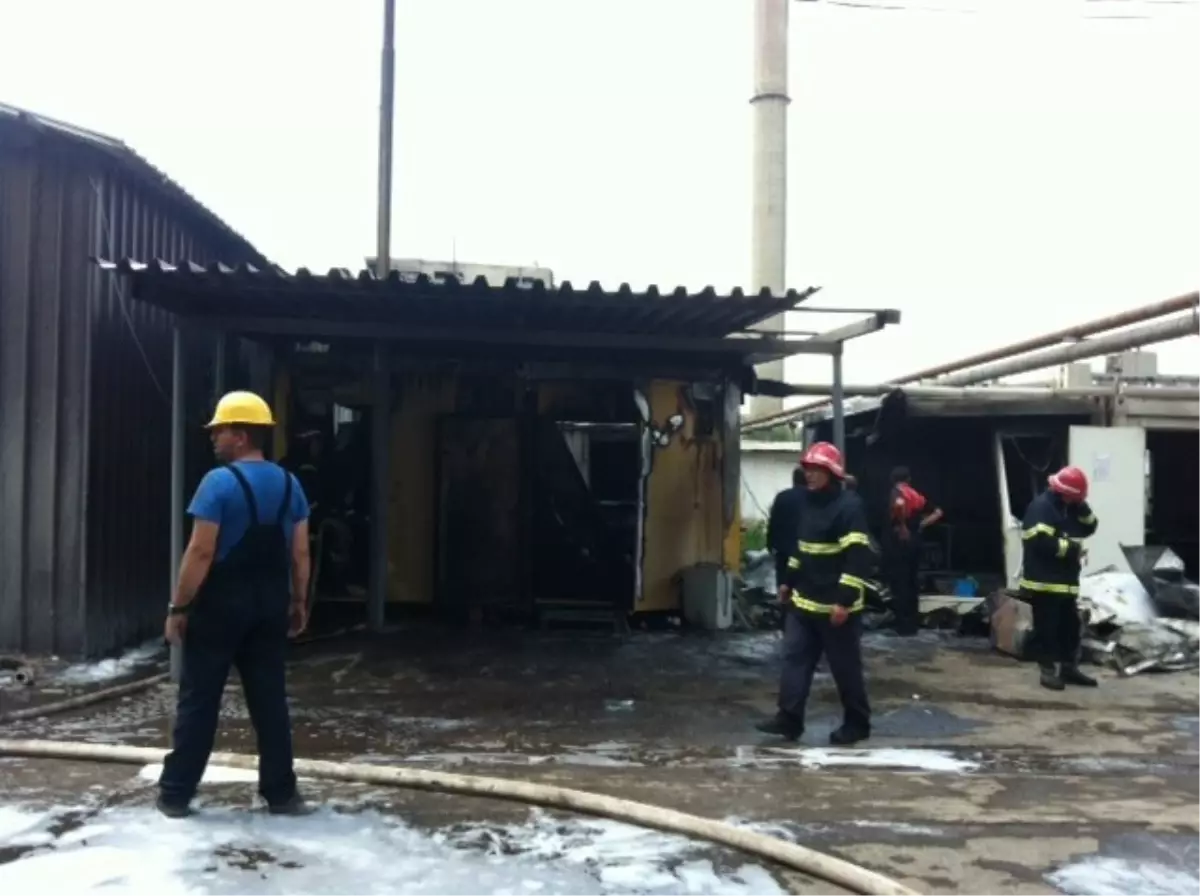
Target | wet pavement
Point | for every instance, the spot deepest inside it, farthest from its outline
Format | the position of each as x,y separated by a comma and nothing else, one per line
976,779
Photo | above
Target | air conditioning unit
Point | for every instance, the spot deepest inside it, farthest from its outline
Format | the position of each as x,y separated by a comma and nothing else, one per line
708,596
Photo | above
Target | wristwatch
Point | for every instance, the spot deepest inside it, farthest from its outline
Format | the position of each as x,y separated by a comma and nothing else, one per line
176,610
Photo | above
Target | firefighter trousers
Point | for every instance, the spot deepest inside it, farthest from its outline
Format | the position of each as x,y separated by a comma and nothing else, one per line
806,637
1056,627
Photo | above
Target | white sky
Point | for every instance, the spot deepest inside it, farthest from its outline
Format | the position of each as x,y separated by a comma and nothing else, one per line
993,175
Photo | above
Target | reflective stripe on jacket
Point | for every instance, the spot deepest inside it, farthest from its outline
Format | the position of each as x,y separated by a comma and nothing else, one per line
1052,537
832,560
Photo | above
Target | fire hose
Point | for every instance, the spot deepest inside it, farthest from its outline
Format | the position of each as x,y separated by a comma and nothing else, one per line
800,858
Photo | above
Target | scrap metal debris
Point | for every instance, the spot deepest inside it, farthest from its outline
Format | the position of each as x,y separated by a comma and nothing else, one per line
1132,622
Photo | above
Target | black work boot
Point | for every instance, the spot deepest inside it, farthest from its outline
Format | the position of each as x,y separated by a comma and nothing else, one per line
846,735
1050,678
171,809
783,725
1071,675
294,806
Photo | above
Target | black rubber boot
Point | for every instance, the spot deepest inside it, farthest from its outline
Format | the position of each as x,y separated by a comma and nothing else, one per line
172,810
1050,678
783,725
845,736
1072,675
295,806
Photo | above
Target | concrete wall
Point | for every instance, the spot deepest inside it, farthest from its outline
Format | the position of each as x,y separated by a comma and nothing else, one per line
766,470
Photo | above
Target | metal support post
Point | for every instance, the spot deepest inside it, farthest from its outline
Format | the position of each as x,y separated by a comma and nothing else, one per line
177,461
839,403
219,367
380,479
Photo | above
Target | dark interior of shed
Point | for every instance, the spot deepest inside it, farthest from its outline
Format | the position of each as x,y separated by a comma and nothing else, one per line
953,461
1173,508
538,504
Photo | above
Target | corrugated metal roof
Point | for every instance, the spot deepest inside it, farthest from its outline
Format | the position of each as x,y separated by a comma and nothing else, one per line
219,291
121,153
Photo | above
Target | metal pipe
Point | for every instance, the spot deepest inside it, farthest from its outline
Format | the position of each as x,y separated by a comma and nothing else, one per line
839,403
1048,340
1177,327
1099,325
768,249
1004,393
387,103
177,461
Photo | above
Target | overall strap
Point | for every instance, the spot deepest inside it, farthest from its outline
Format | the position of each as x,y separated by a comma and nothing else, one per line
285,505
249,492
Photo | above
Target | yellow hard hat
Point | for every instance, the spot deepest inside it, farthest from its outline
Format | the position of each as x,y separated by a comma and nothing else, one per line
241,407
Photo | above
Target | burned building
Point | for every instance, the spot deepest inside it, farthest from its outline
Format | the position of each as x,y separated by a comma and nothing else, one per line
508,452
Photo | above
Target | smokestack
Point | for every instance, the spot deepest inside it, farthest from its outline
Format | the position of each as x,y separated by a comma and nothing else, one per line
768,264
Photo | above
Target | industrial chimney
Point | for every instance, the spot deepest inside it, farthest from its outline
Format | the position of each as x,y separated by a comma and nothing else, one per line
768,264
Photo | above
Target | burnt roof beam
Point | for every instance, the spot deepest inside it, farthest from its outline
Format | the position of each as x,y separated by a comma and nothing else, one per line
318,328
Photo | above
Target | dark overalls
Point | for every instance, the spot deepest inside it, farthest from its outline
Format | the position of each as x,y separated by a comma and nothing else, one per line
830,565
240,619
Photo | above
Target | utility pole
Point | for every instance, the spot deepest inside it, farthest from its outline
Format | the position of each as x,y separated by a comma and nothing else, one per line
387,105
381,409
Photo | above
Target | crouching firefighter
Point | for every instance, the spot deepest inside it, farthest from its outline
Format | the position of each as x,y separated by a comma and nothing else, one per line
1056,523
824,596
234,606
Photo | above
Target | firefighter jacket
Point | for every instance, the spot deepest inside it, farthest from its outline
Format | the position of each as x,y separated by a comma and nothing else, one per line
1052,544
832,561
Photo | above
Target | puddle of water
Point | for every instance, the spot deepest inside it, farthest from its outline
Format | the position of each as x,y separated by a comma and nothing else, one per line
227,851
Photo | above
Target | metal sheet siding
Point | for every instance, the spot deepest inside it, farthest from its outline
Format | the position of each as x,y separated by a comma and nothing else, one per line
44,223
84,401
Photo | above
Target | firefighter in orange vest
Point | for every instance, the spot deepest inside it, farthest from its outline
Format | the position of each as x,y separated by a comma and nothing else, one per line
1052,534
824,594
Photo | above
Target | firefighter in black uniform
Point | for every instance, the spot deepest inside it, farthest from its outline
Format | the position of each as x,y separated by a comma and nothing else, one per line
782,524
824,596
1055,525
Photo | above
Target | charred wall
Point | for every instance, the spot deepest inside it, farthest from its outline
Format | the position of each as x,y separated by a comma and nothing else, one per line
85,378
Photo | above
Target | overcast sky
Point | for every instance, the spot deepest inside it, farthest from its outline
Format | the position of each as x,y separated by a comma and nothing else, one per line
993,175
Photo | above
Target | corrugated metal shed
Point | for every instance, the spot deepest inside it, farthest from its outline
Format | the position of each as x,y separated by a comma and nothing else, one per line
199,290
84,419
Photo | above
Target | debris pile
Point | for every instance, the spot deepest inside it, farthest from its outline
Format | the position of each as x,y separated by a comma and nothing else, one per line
1132,621
1142,620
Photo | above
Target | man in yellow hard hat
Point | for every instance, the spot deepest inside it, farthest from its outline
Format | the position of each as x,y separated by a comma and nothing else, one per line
241,594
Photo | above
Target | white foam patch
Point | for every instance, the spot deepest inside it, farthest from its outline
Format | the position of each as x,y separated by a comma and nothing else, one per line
896,758
213,774
231,851
21,827
1122,877
114,667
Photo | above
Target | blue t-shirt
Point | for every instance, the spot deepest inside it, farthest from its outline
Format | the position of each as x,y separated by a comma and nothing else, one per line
219,499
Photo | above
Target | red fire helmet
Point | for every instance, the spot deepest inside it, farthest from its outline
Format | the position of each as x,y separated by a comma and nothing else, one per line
1070,482
826,456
